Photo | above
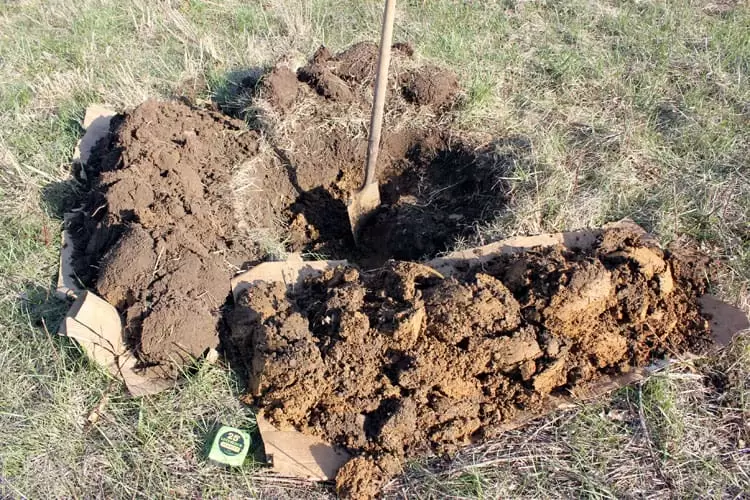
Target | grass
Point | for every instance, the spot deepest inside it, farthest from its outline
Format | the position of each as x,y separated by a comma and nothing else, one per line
638,109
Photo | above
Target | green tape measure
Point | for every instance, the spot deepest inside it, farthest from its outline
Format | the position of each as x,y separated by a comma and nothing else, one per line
230,446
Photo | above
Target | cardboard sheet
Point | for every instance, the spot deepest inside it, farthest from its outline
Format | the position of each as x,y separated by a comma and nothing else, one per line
290,272
292,453
95,325
96,124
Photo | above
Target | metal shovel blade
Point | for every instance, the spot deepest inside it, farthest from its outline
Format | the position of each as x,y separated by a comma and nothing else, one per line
361,205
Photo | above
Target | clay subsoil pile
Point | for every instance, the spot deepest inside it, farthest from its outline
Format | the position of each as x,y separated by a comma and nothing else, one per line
400,362
390,363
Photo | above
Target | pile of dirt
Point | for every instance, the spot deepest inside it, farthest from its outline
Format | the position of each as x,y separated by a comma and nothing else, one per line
177,195
400,362
391,363
156,234
343,77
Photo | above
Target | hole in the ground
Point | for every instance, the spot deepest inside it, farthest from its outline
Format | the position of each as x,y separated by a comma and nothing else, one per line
432,194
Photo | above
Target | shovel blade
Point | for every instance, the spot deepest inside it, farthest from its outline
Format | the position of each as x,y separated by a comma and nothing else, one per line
361,205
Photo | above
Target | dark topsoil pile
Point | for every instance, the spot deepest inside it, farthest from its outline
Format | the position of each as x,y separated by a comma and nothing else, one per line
401,362
156,234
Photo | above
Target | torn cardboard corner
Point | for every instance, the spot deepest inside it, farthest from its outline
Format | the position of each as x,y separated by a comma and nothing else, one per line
294,454
95,325
290,272
96,124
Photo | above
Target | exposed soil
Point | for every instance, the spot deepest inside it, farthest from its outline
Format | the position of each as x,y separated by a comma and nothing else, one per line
176,195
157,234
430,86
436,186
401,362
393,362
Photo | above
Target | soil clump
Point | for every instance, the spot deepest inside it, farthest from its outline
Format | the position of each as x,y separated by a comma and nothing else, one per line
401,362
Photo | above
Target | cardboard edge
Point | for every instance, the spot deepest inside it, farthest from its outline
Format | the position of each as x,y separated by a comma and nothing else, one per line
140,382
67,285
292,453
455,261
585,393
96,123
96,326
292,273
725,319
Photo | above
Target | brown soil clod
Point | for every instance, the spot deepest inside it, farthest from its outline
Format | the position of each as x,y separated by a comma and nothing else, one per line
281,87
358,63
399,362
328,84
431,86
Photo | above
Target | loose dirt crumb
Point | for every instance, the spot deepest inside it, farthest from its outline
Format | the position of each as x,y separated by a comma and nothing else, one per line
431,86
399,362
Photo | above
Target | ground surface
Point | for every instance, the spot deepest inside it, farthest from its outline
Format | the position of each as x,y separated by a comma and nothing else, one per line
603,110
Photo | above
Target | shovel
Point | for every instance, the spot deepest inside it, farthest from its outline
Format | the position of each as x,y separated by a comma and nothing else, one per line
293,271
363,202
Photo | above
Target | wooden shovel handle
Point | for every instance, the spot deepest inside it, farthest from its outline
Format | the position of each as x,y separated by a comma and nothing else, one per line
381,85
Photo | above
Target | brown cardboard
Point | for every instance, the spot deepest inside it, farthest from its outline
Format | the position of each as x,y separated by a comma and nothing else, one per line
457,261
67,284
572,240
95,325
292,453
96,124
292,273
141,381
726,320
